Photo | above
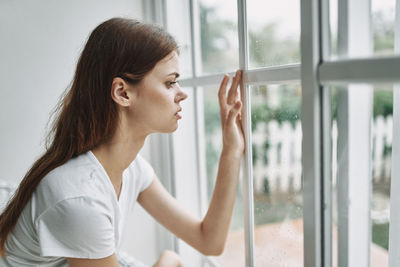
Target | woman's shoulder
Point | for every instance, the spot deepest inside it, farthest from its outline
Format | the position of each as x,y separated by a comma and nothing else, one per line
140,165
78,177
141,173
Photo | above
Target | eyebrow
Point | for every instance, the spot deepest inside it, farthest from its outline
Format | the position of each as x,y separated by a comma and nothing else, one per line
174,73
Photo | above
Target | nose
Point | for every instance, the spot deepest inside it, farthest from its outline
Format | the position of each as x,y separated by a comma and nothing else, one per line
180,95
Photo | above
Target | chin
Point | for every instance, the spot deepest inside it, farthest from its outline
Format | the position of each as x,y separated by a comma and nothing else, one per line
174,129
170,129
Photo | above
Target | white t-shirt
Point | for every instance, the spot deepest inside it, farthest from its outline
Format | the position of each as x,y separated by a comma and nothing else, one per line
74,212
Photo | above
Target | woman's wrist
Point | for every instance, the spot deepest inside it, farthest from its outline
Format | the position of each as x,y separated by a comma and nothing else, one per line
229,152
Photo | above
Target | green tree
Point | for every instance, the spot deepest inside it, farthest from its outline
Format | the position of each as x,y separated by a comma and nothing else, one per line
383,32
217,51
267,49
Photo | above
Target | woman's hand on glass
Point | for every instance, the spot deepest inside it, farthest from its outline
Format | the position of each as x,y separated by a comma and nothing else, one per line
230,111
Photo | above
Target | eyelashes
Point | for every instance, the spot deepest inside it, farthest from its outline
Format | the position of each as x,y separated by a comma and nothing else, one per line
171,84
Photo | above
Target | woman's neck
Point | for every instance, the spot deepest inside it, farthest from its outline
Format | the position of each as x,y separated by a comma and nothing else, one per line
116,155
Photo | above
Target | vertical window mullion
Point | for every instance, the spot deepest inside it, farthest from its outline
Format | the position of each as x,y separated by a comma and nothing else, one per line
394,238
354,140
248,165
310,120
198,101
326,131
199,116
198,110
394,226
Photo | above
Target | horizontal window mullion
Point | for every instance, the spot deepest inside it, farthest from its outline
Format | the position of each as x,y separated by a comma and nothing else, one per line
271,75
368,70
203,80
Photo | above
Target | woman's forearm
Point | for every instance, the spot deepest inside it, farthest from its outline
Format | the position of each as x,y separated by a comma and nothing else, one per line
215,225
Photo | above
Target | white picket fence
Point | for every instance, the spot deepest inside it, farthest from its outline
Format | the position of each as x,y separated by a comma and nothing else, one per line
382,140
278,165
281,170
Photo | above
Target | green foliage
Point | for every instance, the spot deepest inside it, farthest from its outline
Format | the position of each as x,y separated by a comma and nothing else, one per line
267,49
334,97
383,31
383,102
255,153
380,234
289,110
260,113
267,189
265,149
211,116
212,160
382,106
276,211
216,44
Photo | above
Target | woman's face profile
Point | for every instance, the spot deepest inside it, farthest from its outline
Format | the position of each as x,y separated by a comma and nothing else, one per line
158,96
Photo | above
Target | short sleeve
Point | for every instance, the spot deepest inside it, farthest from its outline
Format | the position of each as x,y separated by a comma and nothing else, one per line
76,228
146,174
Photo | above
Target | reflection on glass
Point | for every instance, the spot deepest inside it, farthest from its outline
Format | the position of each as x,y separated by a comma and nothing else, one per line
219,36
233,255
179,27
274,32
276,135
381,130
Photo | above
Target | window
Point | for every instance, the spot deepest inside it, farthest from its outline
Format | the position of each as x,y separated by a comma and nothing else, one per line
273,32
314,132
366,187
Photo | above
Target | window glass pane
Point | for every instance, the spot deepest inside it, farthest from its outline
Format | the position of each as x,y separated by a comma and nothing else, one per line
179,27
333,15
383,17
381,161
382,26
219,36
234,250
274,32
277,136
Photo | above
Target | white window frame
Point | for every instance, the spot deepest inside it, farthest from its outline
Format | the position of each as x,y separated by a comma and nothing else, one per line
316,73
394,227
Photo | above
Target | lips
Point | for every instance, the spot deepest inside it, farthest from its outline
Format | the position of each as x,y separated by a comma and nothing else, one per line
179,116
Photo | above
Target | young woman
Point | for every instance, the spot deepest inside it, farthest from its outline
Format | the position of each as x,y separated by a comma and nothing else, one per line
71,206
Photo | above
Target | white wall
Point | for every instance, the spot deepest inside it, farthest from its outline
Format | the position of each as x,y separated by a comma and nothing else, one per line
40,42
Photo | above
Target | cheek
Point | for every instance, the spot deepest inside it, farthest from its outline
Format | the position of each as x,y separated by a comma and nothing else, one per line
154,108
162,99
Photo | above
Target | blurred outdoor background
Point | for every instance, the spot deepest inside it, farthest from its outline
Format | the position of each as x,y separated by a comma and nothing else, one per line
276,130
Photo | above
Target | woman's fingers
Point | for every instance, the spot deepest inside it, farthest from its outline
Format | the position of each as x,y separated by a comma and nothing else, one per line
222,98
233,90
227,100
233,113
222,89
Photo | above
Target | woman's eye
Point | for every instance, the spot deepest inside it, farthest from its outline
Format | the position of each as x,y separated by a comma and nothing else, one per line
170,84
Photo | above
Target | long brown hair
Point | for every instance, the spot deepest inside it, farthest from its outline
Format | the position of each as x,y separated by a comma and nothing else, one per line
87,116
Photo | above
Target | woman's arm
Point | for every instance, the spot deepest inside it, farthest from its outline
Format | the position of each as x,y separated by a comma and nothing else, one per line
167,259
110,261
209,235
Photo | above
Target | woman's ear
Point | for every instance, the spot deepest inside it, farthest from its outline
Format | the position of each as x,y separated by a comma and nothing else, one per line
120,93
